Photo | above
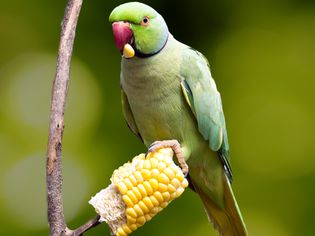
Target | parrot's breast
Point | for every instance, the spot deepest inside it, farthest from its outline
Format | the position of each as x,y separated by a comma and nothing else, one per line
155,104
152,86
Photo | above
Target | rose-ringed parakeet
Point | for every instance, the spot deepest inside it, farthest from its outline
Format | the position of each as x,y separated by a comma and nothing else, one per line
168,94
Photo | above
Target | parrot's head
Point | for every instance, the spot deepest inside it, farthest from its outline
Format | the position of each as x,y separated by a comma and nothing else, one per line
139,27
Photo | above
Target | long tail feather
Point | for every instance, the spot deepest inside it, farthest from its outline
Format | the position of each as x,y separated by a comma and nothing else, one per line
227,221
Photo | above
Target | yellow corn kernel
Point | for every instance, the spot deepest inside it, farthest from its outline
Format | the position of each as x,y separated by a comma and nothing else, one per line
162,187
132,196
138,210
180,176
131,212
185,183
126,229
146,174
175,182
161,166
133,180
139,165
147,164
133,227
159,156
154,184
173,195
148,187
171,188
140,156
153,214
164,204
149,155
137,193
174,167
154,201
179,192
169,172
122,188
147,201
127,200
166,151
128,183
138,177
128,51
166,196
154,163
131,220
121,232
158,196
162,178
139,225
143,207
148,217
141,220
142,190
121,169
155,210
155,173
168,160
116,172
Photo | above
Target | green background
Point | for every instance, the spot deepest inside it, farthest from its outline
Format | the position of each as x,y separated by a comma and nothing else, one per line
262,56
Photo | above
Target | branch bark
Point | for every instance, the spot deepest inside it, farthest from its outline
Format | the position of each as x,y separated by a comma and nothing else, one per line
59,93
83,228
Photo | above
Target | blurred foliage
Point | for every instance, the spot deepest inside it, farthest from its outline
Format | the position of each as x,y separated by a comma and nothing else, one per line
262,57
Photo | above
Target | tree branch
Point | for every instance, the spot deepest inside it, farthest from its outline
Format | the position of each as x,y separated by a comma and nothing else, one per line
59,93
83,228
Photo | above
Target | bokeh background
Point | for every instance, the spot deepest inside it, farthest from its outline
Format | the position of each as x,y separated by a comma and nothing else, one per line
262,55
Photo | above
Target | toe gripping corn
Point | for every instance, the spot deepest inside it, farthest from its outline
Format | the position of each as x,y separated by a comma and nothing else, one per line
139,190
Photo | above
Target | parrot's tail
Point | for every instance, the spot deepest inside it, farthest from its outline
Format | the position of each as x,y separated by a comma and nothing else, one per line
227,221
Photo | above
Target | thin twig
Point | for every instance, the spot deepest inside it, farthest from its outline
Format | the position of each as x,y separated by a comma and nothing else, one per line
83,228
59,93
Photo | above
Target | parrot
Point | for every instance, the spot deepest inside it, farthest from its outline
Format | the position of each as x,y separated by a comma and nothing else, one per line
169,99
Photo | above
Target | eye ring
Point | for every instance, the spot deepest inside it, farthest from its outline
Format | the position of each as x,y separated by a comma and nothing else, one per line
145,21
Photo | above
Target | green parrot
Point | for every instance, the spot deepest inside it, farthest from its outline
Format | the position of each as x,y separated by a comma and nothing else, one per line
170,99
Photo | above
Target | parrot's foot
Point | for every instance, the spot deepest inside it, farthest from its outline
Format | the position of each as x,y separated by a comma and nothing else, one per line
175,146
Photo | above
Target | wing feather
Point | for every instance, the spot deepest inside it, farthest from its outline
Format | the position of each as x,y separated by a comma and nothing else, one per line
203,98
128,115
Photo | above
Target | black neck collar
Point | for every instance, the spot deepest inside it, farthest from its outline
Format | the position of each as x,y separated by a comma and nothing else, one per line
146,55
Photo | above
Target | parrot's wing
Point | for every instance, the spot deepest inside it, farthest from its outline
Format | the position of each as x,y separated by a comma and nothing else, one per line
128,115
203,98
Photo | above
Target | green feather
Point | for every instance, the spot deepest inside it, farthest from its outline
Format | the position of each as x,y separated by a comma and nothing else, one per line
128,115
204,100
132,12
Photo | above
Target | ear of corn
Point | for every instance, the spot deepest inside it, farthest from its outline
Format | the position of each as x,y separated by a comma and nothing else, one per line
146,186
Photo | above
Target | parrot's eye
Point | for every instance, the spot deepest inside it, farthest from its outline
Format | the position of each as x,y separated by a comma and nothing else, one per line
145,21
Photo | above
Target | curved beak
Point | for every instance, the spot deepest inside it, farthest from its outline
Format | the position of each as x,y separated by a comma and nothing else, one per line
122,34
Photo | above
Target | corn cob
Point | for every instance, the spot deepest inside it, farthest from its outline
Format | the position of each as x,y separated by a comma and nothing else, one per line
139,191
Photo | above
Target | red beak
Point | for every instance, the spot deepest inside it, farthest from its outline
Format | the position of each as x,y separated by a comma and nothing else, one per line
122,34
